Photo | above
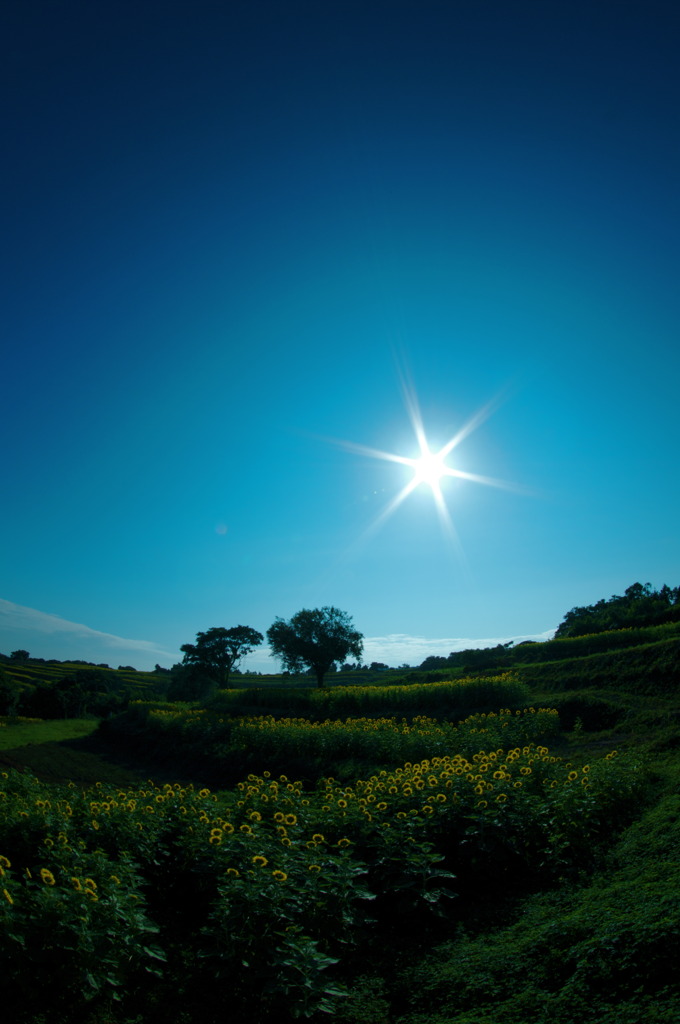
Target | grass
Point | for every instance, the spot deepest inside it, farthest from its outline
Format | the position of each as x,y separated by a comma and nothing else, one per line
62,750
646,668
604,951
20,732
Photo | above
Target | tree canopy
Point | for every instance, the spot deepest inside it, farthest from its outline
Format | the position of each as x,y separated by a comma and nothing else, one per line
640,605
219,650
315,639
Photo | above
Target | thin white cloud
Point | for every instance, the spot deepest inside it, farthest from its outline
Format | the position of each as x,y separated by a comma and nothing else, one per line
21,625
402,649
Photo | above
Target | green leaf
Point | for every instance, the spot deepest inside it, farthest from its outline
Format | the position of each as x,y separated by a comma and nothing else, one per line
154,952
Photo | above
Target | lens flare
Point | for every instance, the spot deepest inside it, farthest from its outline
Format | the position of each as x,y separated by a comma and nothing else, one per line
429,467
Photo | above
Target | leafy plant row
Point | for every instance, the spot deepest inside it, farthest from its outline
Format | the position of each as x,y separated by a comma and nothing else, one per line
271,892
446,700
230,748
504,657
222,747
646,668
383,741
594,643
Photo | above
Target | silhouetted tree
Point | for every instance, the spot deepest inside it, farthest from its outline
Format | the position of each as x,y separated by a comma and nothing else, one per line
434,661
218,650
81,692
190,682
19,656
315,639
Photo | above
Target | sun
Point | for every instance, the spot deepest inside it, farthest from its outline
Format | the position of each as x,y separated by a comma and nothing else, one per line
429,467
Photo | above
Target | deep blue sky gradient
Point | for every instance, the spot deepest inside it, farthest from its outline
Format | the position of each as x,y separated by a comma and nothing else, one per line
229,227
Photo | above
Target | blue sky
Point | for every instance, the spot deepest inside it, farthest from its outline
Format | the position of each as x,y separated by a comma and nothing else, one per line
232,231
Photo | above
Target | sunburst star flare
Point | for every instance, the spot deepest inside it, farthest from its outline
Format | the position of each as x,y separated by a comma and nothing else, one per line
429,467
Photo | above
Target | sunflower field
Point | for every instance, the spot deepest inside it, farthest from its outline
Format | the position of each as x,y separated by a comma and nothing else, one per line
230,746
258,903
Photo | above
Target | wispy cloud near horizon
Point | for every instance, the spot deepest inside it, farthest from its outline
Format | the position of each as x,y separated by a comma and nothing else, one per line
403,649
21,626
49,636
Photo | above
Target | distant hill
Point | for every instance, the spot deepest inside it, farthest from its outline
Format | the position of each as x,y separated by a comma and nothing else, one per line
61,689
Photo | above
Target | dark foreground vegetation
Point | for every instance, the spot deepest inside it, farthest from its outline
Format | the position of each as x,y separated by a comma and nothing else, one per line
498,848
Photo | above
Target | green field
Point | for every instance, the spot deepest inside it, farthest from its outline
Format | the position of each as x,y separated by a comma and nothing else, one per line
499,848
22,732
